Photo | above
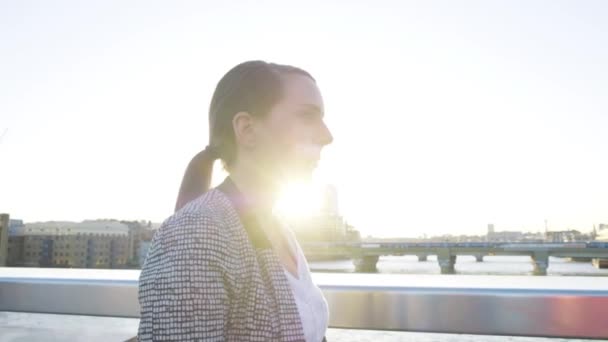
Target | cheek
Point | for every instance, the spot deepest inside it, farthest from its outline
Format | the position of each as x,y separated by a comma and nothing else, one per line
307,151
274,143
282,136
296,146
287,142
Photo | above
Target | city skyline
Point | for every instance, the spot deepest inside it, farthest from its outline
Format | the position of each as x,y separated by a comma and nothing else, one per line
155,225
445,117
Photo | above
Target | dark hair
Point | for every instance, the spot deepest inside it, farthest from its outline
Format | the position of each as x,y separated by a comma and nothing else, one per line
252,87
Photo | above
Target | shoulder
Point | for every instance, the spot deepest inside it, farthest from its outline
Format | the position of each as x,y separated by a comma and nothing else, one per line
201,225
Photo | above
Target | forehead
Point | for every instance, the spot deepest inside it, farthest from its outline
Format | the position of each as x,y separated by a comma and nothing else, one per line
300,90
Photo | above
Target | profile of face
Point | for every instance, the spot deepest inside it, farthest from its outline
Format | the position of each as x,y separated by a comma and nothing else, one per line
286,143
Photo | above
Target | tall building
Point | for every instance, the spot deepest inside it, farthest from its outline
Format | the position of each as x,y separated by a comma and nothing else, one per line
563,236
326,225
140,234
490,232
602,233
330,201
322,227
4,227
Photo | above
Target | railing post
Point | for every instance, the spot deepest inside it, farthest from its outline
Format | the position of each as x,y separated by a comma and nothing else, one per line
422,257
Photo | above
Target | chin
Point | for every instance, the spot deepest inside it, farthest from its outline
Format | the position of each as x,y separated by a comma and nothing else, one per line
303,175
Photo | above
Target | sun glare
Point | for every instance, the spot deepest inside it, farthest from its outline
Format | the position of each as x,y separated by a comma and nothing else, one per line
299,200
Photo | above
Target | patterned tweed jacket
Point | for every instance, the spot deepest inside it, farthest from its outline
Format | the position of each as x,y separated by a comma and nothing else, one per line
211,275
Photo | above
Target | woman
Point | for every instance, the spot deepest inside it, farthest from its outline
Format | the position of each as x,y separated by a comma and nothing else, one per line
223,268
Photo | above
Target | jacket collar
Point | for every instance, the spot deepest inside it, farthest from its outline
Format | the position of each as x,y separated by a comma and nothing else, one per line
256,235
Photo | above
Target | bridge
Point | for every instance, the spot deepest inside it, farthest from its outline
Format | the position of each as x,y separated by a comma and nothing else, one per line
366,255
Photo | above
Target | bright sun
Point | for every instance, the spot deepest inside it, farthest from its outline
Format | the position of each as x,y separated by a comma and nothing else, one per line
299,200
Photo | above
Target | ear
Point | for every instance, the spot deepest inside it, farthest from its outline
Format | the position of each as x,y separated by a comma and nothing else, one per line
244,133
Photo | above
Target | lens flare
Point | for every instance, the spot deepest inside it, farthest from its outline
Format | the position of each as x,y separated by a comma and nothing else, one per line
298,200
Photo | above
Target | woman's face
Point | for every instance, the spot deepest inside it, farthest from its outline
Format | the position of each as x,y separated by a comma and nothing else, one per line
290,137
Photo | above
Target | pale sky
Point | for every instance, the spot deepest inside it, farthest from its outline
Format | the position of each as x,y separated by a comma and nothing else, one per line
447,115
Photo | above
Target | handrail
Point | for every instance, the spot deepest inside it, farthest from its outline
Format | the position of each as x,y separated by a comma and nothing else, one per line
460,304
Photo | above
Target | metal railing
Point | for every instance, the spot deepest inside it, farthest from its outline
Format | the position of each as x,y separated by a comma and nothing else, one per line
460,304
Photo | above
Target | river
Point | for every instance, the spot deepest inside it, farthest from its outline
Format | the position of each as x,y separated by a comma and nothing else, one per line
492,265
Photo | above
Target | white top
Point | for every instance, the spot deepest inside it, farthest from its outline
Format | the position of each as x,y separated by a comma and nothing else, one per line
312,306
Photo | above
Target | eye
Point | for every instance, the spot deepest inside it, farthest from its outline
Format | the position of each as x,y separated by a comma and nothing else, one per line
309,115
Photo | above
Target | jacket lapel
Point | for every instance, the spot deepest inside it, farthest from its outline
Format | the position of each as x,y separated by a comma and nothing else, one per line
272,272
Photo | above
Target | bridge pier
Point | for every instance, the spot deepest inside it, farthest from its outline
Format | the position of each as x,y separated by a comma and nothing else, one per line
540,260
366,264
446,263
422,257
600,263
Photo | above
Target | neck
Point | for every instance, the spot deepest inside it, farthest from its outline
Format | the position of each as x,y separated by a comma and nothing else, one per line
260,192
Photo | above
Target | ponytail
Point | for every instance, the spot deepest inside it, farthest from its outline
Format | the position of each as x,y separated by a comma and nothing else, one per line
197,178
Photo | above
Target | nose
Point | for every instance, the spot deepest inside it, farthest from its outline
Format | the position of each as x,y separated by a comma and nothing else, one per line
324,137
